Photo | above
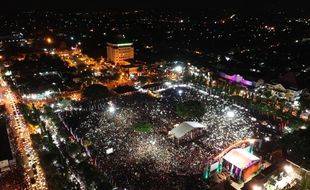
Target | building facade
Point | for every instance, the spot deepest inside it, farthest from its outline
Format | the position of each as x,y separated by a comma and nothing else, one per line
119,52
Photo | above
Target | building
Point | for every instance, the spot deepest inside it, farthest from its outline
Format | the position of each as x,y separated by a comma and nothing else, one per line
6,157
119,50
289,86
238,79
133,69
279,91
281,176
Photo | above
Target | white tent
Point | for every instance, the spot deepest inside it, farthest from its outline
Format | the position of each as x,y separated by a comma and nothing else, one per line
184,128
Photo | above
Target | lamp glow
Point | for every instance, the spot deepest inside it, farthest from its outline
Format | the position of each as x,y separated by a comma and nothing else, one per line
178,69
49,40
256,187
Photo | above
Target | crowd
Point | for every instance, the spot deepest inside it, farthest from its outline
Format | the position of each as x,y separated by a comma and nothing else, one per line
155,161
12,180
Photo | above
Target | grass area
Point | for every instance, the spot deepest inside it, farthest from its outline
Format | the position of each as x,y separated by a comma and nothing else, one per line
143,127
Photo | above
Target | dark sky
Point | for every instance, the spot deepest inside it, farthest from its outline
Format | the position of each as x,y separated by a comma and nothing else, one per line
88,5
11,5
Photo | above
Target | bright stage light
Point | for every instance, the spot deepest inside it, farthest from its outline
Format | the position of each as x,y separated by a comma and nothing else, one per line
230,114
288,169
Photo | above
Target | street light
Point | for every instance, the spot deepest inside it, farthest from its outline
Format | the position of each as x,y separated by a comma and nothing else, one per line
49,40
178,69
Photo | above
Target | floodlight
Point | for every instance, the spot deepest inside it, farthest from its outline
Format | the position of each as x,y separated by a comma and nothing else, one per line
230,114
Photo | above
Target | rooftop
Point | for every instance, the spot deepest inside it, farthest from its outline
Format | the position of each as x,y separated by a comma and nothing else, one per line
120,40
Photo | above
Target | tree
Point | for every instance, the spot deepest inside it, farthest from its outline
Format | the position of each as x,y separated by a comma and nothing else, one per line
31,115
74,149
267,93
86,143
304,103
143,79
188,78
96,91
190,109
92,176
116,76
297,142
48,157
305,183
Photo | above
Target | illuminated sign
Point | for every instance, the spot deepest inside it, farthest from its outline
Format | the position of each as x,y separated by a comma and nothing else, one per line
125,44
238,79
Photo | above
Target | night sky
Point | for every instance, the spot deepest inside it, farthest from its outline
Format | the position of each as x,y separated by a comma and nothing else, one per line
250,5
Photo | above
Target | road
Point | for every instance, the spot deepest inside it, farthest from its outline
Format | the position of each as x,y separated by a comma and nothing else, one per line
34,174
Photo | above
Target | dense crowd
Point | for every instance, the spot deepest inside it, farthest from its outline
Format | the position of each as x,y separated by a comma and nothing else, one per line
155,160
12,180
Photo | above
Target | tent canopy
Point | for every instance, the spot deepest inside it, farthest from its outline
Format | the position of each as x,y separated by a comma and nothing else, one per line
184,128
240,157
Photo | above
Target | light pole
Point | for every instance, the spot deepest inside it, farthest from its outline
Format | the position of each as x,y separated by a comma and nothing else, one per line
251,141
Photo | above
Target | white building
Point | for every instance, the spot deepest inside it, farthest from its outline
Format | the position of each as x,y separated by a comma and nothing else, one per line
118,52
281,92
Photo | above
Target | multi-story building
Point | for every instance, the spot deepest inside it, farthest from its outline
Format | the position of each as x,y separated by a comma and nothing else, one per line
6,157
119,51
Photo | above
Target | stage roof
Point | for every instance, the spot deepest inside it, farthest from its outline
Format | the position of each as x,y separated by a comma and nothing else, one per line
240,157
184,128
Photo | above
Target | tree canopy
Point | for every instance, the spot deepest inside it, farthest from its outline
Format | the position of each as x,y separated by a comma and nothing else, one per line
190,109
92,176
297,144
96,91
